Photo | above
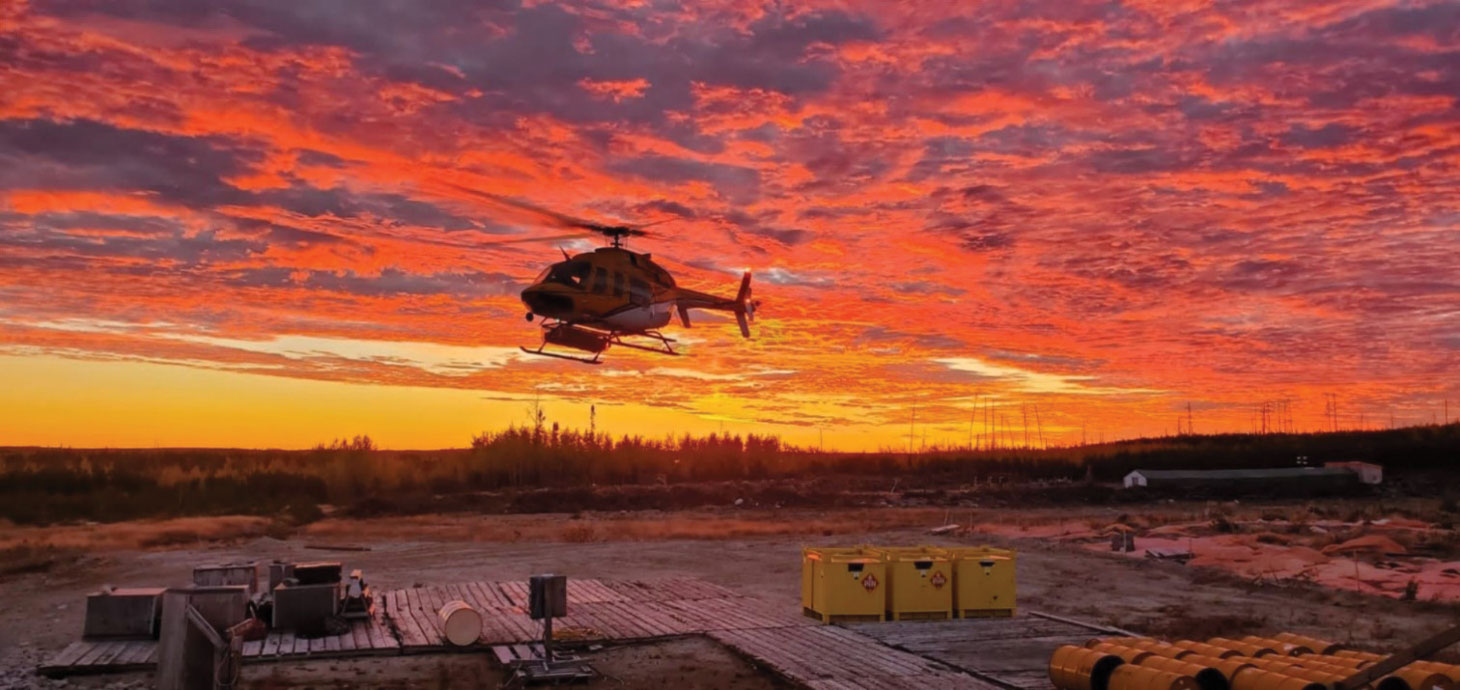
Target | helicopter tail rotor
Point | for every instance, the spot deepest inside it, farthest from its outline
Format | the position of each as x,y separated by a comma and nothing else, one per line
744,307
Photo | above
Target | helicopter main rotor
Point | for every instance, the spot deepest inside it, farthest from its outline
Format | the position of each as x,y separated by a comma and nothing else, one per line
615,233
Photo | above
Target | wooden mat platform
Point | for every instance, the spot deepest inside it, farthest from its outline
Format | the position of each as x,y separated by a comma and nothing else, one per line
405,621
1009,653
831,657
984,654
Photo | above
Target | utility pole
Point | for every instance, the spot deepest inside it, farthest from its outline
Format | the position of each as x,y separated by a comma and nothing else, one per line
1039,424
971,415
1024,410
912,429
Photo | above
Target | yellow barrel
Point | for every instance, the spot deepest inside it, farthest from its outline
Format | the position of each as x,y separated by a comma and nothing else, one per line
1205,649
1077,668
1271,662
1417,679
1128,641
1253,678
1275,664
1313,643
1450,671
1158,647
1229,666
1131,655
1344,661
1356,654
460,623
1283,647
1311,661
1247,649
1131,677
1206,677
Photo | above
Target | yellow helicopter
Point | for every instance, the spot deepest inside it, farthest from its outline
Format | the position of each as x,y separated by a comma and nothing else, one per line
595,300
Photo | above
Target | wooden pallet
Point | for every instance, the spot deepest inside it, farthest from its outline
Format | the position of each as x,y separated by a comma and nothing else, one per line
832,658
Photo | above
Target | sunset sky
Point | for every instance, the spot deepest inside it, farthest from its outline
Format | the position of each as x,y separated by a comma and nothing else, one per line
252,223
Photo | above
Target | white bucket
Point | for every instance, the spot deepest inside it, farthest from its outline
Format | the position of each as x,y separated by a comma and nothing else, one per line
461,624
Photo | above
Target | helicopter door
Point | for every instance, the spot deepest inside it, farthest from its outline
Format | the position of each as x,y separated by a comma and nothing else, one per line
600,281
639,293
618,283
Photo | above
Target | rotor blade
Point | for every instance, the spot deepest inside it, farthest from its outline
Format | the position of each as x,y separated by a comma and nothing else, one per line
560,218
548,238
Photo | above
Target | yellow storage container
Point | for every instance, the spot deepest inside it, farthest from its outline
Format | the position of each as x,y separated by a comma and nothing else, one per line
983,581
843,584
919,583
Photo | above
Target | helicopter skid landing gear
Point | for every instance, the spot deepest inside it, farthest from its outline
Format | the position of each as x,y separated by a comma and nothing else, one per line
586,360
595,342
656,335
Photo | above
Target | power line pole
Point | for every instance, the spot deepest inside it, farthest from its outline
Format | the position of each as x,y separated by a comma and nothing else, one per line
1024,410
912,429
1039,424
971,415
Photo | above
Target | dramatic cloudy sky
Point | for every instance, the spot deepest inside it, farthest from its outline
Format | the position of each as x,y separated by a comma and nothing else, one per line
254,222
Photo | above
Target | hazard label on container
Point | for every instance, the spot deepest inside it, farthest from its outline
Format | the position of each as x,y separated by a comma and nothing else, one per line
869,582
937,579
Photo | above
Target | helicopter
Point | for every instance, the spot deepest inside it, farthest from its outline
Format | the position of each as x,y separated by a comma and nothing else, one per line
613,296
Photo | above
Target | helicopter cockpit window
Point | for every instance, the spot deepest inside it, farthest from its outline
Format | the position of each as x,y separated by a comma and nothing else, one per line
570,273
618,283
600,281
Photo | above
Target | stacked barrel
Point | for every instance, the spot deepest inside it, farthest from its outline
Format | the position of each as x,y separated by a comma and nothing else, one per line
1282,662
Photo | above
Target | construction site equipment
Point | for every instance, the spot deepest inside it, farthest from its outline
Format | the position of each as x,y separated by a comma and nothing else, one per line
460,623
983,581
130,613
318,573
1079,668
1132,677
246,574
192,648
843,585
919,582
1206,677
547,597
355,599
279,571
305,608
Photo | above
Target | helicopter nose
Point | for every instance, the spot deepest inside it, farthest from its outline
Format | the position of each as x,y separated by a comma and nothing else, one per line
547,303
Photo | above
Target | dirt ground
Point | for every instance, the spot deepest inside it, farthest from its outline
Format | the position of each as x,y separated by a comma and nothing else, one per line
753,551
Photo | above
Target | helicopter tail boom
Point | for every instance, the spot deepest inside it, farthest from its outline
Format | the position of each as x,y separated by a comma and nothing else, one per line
742,306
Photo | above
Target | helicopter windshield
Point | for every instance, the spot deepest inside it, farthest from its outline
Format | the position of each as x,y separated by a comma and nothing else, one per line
570,273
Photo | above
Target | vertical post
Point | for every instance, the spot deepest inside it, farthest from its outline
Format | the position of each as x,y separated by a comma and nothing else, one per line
547,641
